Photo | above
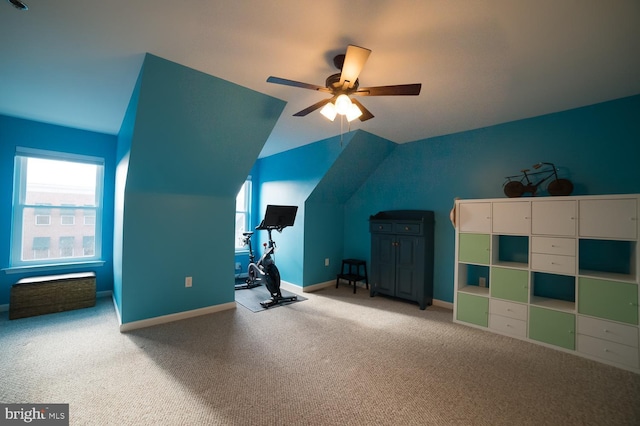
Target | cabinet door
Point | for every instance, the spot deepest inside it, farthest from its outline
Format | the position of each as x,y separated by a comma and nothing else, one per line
552,327
409,267
474,217
474,248
553,218
383,261
473,309
511,218
608,299
615,218
510,284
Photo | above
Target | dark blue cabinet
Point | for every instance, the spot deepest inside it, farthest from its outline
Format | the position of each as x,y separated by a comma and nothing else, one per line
402,255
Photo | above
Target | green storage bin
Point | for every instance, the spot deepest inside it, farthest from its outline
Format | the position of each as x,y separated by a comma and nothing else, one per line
473,309
613,300
510,284
552,327
474,248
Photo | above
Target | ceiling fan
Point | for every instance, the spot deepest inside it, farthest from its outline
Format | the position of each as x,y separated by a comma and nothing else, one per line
345,84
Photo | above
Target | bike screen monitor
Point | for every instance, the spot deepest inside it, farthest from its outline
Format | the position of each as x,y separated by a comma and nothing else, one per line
279,217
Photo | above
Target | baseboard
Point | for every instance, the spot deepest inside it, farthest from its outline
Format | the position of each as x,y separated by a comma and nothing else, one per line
306,289
443,304
4,308
174,317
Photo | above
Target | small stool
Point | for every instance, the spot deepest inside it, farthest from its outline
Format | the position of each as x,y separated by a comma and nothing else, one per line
353,274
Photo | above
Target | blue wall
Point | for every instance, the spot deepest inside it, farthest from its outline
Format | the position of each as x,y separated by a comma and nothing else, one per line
324,221
185,149
289,178
318,178
597,147
18,132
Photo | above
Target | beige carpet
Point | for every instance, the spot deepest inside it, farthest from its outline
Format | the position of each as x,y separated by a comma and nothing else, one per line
336,359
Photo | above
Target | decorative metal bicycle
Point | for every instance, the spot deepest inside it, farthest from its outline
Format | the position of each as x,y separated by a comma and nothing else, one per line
523,184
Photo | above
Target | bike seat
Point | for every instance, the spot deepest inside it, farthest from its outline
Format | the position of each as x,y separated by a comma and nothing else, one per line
247,234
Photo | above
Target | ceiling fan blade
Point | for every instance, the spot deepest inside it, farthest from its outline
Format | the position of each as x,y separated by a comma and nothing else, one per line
313,107
366,114
285,82
354,61
397,90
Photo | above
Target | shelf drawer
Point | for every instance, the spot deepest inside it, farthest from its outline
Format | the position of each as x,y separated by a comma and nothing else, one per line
606,330
381,227
613,300
508,325
553,263
548,245
508,309
407,228
610,351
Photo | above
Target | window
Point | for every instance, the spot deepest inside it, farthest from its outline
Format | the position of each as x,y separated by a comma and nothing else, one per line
67,216
50,189
66,246
243,213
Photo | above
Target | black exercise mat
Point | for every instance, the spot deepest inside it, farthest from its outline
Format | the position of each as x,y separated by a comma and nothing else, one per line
250,298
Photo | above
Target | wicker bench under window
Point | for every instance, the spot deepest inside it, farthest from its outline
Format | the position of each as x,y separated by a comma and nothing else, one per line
53,293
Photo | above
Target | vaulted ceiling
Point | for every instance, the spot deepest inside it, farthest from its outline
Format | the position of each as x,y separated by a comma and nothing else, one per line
483,62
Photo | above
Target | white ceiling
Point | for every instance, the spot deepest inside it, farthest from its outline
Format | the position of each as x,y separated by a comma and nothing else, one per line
483,62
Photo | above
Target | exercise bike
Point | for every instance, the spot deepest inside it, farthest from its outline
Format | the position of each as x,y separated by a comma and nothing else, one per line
265,269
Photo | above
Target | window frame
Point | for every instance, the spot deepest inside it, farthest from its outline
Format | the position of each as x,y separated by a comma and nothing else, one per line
22,155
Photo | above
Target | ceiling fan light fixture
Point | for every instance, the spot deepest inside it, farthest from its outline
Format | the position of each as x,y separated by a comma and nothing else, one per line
343,104
353,113
329,111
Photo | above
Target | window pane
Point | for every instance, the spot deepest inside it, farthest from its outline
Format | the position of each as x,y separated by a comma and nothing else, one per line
240,199
243,209
60,183
34,233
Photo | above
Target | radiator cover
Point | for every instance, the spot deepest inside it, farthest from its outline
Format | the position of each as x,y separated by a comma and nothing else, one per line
53,293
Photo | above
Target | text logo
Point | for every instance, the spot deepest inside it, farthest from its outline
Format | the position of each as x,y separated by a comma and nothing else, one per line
36,414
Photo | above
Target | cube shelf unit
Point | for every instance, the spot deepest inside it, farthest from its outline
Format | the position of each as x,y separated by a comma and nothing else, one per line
562,272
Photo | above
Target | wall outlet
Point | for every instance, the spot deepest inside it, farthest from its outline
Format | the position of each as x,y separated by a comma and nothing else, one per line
326,262
482,282
188,281
238,266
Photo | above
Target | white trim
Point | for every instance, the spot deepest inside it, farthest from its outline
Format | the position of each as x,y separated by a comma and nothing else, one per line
53,267
115,306
174,317
443,304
